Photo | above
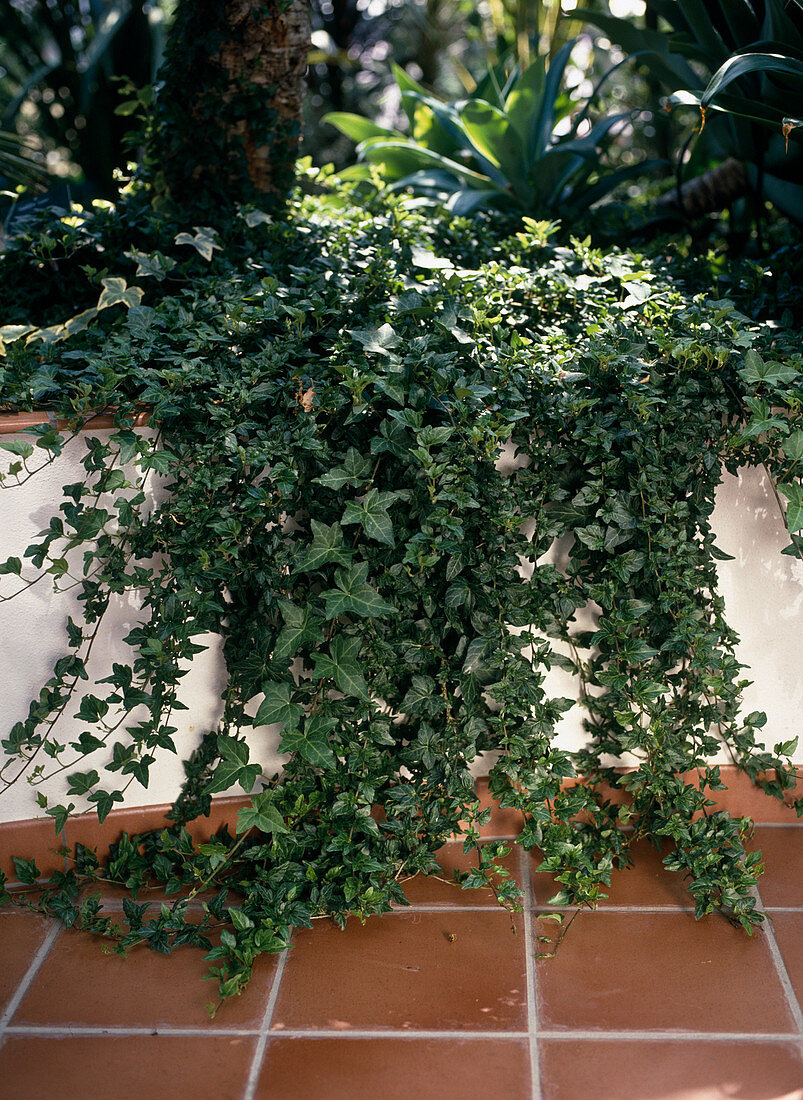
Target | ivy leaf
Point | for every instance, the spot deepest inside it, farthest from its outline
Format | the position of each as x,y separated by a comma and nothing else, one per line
793,491
354,596
380,340
327,546
87,743
312,742
104,801
755,370
233,767
276,707
60,815
154,264
262,815
475,653
19,447
341,665
118,292
792,447
302,626
372,514
82,782
355,471
157,460
761,419
204,241
91,709
27,871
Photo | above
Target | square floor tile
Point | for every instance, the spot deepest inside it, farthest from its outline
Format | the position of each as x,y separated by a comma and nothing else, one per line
80,984
133,1067
782,849
659,1070
402,971
647,971
433,890
21,936
788,930
395,1069
647,882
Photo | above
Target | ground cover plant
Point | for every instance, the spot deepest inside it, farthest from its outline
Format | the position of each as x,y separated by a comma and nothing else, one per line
332,388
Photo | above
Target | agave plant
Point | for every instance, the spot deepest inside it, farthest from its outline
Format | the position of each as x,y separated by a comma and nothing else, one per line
742,59
498,148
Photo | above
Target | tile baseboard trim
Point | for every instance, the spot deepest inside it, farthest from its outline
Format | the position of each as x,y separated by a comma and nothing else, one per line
35,838
10,423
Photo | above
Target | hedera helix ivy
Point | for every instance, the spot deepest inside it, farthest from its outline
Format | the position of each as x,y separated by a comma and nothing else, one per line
330,419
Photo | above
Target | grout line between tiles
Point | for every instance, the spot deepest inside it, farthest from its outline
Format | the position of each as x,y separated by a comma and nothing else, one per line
780,968
78,1030
391,1033
29,975
529,954
264,1031
675,1036
570,1035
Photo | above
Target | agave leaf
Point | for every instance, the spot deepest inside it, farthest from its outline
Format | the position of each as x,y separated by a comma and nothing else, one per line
743,23
432,118
407,84
543,122
702,26
782,25
583,198
463,203
447,134
554,171
357,128
402,158
492,136
524,97
432,182
492,85
742,64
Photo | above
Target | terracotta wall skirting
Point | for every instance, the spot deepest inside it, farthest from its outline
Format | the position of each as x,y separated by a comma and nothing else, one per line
20,422
36,839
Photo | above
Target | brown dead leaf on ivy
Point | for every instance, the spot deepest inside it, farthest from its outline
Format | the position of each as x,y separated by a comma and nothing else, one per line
306,397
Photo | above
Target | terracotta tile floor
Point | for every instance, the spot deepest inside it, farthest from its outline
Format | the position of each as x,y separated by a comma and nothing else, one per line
444,1000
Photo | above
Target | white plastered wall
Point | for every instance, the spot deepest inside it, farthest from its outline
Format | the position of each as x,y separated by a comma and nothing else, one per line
763,592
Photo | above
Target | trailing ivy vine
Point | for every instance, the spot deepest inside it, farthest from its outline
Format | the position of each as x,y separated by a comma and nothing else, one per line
331,394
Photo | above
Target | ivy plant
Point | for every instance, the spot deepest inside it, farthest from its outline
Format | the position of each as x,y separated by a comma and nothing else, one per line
331,392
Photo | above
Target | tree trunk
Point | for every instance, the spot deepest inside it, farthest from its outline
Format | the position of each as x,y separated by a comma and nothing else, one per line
228,113
710,192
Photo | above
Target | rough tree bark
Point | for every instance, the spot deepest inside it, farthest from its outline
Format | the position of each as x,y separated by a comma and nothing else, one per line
228,112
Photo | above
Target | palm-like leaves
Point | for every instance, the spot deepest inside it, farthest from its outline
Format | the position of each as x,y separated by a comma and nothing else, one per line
497,148
742,59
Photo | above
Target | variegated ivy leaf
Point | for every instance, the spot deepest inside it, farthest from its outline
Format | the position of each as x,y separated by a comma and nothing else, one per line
117,292
204,241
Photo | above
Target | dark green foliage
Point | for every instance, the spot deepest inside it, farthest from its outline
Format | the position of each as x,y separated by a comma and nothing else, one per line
60,64
332,393
763,108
